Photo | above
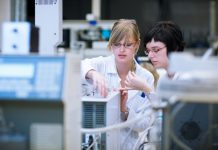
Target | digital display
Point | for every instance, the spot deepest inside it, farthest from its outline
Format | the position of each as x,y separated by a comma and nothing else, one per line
16,70
31,77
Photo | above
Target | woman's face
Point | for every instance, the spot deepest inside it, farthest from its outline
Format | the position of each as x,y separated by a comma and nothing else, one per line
124,51
157,53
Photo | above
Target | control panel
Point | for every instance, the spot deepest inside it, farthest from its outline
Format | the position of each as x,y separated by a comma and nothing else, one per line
31,77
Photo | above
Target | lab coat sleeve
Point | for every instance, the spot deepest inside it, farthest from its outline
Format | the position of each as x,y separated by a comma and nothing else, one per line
138,101
90,64
138,106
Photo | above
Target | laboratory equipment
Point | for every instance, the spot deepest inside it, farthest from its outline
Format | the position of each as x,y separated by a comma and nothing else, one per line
92,33
40,96
78,44
190,115
48,17
101,112
19,38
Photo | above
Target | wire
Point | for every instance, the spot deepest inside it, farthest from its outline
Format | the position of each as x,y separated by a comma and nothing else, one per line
140,109
207,54
210,51
143,134
94,142
130,130
175,111
148,111
146,131
154,107
141,146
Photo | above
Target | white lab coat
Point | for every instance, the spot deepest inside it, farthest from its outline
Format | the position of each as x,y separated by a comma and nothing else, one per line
155,131
107,67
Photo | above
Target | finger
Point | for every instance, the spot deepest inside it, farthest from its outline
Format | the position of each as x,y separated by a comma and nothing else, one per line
133,74
121,89
104,89
95,84
127,77
124,89
105,93
124,93
127,84
130,76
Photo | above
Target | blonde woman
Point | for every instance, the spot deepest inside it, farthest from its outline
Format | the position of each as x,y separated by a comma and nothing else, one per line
109,73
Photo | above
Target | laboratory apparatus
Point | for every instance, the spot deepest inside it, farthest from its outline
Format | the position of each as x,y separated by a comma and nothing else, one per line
40,102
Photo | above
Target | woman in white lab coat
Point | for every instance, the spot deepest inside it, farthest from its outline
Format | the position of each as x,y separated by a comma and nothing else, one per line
160,40
109,73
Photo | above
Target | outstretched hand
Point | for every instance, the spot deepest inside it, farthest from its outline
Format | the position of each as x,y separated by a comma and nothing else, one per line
123,99
136,83
99,82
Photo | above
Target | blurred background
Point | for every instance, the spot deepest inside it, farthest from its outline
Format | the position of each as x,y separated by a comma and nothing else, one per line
197,18
34,87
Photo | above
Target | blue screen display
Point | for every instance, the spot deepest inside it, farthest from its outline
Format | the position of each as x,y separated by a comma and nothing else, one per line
31,77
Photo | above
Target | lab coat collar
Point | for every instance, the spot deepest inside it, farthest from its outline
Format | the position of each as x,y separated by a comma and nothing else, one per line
111,68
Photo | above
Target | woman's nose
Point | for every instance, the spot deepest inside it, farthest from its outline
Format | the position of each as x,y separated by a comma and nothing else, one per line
122,48
150,54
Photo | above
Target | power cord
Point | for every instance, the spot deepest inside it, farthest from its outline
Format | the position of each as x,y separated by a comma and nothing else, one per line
93,141
141,146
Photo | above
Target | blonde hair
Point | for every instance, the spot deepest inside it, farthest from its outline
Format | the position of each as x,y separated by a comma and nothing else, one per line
124,28
154,72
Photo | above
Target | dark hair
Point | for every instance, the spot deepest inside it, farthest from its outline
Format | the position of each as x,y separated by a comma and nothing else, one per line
167,32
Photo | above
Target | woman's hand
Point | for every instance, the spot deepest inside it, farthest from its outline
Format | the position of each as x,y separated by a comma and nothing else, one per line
136,83
123,100
98,81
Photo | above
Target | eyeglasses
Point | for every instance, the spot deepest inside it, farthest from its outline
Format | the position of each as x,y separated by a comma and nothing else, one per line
154,50
126,45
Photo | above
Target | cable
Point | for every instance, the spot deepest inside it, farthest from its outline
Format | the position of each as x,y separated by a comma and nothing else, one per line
210,51
146,131
130,130
94,142
152,118
207,54
119,125
141,146
136,144
144,110
176,110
